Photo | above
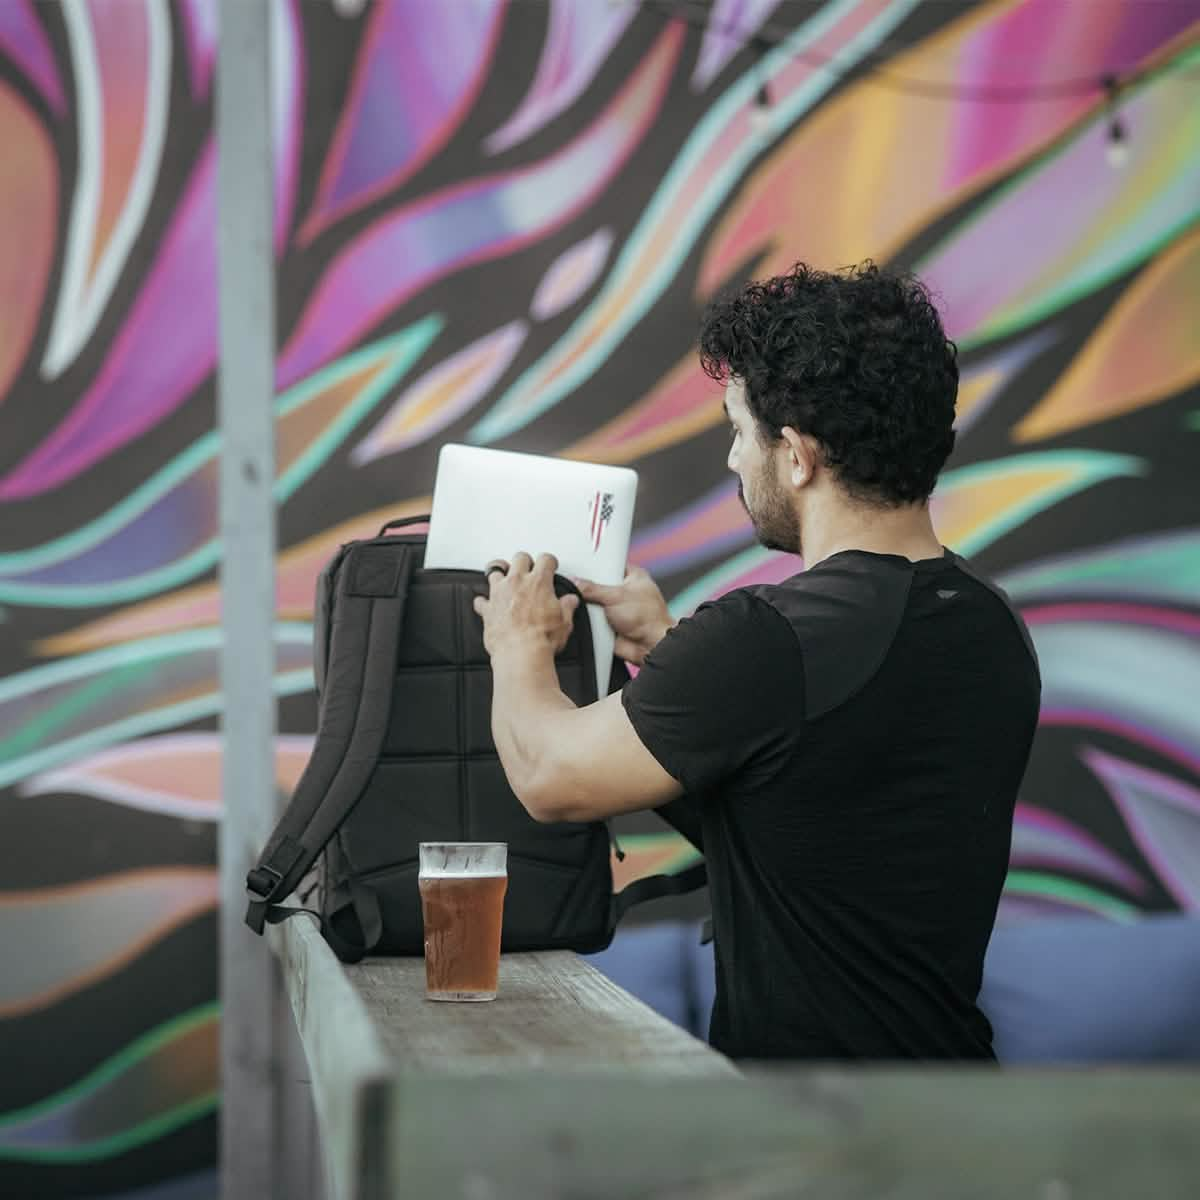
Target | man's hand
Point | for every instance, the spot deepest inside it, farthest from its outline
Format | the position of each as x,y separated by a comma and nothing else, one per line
635,609
521,607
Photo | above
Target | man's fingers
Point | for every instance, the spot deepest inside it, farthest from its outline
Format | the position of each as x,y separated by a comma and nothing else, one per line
546,564
479,604
597,593
521,564
569,605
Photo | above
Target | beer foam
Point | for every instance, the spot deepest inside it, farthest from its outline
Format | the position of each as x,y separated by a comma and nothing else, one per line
443,873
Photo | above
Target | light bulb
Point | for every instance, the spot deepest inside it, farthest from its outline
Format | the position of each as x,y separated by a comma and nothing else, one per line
1116,149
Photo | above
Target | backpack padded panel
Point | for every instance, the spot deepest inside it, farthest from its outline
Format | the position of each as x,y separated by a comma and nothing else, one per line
438,777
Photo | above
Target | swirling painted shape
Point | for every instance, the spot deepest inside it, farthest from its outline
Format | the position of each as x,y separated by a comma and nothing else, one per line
973,506
684,403
873,132
1043,840
731,24
1135,680
707,169
168,344
570,275
1162,568
1146,349
54,714
1162,814
162,354
24,42
443,394
28,228
200,21
121,62
201,26
1036,893
419,70
1031,251
473,222
578,41
89,931
164,1080
757,565
166,530
296,574
175,775
983,381
712,525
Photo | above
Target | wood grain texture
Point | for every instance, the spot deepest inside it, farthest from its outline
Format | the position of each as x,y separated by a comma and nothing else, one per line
553,1011
349,1067
920,1133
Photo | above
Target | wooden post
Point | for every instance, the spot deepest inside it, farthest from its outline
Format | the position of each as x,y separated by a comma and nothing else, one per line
250,988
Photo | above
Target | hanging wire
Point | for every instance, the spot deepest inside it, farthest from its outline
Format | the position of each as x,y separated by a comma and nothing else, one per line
767,36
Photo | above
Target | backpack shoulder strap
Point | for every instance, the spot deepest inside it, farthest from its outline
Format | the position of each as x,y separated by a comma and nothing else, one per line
655,886
367,615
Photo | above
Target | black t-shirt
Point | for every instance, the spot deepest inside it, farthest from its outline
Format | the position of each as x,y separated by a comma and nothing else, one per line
851,742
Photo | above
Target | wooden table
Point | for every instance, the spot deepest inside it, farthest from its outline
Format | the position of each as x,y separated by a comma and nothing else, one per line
567,1087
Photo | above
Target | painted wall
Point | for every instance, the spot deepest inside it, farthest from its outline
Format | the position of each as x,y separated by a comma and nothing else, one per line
499,222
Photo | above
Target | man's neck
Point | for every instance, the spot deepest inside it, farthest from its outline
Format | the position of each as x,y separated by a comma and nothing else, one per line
907,532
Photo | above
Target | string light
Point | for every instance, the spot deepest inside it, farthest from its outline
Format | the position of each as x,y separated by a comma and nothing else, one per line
761,111
1117,143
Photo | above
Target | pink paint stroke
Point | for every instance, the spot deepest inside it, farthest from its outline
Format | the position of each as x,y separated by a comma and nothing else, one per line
24,41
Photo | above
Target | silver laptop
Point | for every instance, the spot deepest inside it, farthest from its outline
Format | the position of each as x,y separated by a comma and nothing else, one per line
492,503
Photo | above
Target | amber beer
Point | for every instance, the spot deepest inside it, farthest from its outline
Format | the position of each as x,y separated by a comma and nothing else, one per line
462,899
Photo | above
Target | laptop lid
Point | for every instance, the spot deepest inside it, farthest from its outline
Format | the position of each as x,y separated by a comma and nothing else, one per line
493,503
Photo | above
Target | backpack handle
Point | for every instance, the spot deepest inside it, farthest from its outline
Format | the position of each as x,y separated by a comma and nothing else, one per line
401,522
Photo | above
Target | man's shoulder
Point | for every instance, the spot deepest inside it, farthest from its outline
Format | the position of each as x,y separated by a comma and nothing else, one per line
844,614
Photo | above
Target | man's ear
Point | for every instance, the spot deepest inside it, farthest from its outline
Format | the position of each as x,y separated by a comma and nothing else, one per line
803,456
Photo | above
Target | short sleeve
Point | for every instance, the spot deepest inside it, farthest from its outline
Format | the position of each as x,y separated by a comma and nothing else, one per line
723,689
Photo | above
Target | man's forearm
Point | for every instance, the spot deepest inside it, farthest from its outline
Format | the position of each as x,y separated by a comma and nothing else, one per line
526,699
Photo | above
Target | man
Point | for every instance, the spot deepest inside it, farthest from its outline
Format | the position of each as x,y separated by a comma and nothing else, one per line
852,740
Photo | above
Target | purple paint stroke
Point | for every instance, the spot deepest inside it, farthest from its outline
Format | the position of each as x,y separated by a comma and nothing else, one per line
578,42
1084,718
176,525
419,71
1042,838
470,223
164,352
199,19
1126,614
1016,910
731,24
571,274
1137,792
287,106
168,344
642,551
1040,36
24,41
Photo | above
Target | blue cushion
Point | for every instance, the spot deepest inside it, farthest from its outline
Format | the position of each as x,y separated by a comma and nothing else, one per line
1087,990
1071,990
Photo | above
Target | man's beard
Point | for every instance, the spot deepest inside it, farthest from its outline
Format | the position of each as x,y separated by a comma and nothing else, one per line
774,523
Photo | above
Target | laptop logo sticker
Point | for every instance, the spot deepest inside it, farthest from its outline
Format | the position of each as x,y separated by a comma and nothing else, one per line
602,511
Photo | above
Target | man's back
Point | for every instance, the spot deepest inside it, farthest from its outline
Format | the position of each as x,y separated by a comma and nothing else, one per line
856,737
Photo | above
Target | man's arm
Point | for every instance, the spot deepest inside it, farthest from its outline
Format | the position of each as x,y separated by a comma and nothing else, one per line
563,763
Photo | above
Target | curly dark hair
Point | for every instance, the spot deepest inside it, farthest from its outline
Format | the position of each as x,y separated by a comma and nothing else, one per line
858,359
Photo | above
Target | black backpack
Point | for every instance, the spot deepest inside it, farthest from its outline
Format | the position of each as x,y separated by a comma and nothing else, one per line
404,754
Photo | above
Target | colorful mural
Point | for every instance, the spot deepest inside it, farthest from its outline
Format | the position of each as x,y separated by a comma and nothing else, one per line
498,221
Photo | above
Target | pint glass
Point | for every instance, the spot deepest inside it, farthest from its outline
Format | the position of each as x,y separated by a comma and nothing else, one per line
462,899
